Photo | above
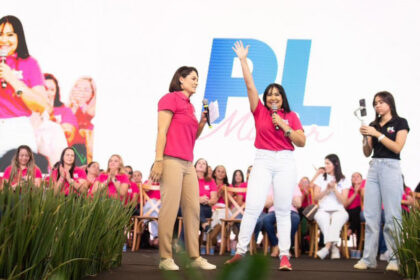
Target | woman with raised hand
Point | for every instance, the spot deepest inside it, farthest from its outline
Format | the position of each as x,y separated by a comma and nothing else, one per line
331,191
67,176
178,129
114,180
23,168
386,137
278,130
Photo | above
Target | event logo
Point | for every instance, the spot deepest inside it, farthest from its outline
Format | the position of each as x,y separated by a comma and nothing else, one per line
221,85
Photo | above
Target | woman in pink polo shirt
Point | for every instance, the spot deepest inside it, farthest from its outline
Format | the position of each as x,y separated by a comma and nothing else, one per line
22,89
67,176
178,129
114,180
238,182
23,168
207,193
353,203
278,129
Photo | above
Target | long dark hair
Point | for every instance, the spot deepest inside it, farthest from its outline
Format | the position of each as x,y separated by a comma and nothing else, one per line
61,162
183,72
338,174
57,97
285,104
22,49
225,180
234,175
388,99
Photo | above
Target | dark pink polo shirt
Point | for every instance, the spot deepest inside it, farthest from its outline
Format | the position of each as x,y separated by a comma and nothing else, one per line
182,131
267,137
78,173
205,187
23,174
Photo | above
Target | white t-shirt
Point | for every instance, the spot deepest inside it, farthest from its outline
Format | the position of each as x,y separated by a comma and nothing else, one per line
330,202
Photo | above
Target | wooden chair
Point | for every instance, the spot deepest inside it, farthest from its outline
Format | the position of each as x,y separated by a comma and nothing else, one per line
233,210
139,221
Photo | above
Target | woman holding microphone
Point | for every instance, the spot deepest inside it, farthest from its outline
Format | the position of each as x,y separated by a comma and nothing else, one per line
386,137
276,134
178,129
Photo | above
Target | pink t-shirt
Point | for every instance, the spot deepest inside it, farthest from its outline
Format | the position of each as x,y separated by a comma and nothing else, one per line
24,172
29,72
206,187
182,131
307,200
112,190
64,114
356,202
78,174
242,185
267,137
133,189
407,192
152,193
221,202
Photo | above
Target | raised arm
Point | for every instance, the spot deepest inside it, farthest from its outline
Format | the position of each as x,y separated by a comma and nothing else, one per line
242,53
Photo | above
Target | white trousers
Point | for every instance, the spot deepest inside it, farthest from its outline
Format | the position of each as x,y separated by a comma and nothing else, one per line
275,169
330,223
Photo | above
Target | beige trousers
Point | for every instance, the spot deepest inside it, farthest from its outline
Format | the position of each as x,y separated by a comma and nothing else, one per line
179,186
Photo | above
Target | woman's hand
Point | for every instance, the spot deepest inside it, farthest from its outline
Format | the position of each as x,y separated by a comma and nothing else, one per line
366,130
6,73
240,51
203,118
156,172
277,120
204,199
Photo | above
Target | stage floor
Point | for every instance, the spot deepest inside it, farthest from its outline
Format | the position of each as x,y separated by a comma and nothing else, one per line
144,265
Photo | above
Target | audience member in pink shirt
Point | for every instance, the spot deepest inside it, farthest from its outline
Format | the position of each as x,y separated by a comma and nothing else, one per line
238,182
114,180
207,192
353,203
61,114
66,176
92,172
22,168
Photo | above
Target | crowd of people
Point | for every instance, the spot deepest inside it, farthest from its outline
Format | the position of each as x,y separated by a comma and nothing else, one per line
273,200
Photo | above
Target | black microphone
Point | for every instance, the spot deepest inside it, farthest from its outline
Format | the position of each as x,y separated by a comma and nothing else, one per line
3,55
206,111
274,111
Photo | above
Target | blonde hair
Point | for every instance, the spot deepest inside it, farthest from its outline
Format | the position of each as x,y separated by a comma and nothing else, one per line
16,166
121,169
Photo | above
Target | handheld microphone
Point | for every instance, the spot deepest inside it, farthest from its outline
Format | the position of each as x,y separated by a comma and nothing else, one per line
274,111
3,55
206,111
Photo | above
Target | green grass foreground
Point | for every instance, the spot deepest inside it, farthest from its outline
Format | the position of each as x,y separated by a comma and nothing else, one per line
48,236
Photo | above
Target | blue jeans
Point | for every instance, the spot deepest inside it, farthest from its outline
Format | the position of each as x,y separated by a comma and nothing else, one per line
267,222
384,185
382,244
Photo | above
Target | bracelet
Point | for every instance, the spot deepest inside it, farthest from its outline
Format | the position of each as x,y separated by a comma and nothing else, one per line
381,137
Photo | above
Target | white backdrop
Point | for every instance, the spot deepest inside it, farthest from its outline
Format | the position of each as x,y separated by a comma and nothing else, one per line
132,48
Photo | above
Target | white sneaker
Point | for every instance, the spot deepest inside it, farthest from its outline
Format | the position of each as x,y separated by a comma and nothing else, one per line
168,264
323,253
202,263
362,265
392,266
384,256
335,253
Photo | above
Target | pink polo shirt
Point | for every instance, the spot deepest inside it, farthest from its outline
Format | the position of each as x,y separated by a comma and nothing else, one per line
64,114
112,190
267,137
29,72
133,189
242,185
153,194
78,174
24,172
182,131
356,202
206,187
221,202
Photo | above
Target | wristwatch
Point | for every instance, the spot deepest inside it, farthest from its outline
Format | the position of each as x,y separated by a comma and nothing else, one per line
288,132
19,93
